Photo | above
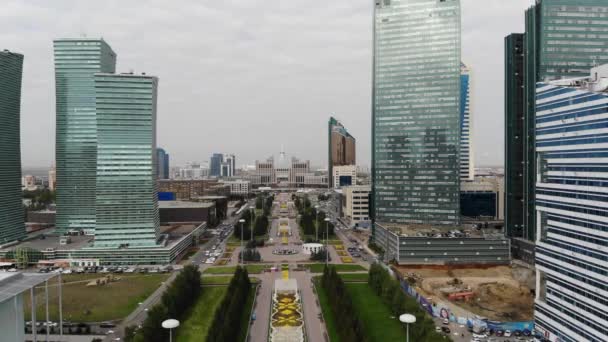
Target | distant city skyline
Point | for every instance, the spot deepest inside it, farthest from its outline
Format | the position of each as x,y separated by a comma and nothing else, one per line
213,101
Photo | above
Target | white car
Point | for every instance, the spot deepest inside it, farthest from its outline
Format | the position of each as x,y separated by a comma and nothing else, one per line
507,333
209,261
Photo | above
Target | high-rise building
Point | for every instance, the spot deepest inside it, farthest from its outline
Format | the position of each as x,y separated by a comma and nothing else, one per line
162,164
467,165
514,136
416,112
215,165
227,167
342,147
563,38
12,227
572,208
76,62
126,191
52,178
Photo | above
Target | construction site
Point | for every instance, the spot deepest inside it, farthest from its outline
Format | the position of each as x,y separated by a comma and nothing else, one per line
498,293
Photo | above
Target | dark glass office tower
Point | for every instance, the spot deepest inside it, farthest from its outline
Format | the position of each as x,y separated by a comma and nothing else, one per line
76,62
563,39
514,135
12,227
416,112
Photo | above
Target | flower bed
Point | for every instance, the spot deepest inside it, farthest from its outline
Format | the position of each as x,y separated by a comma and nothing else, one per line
222,262
342,253
347,260
339,247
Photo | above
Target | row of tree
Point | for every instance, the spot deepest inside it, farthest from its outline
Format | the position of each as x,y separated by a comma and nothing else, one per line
389,289
348,325
313,222
227,320
177,299
260,225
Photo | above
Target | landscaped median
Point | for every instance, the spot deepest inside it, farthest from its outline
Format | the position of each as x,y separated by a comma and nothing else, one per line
318,267
251,269
218,312
354,310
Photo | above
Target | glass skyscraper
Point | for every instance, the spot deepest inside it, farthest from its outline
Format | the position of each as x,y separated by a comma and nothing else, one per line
215,165
126,201
76,62
162,164
416,112
466,138
12,227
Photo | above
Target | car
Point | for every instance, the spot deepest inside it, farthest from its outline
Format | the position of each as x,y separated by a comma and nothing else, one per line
446,321
499,333
445,330
517,333
507,333
438,329
209,261
107,325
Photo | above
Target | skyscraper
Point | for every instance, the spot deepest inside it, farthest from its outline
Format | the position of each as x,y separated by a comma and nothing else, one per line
12,227
563,38
416,112
467,169
572,208
215,165
126,205
162,164
76,62
514,136
342,147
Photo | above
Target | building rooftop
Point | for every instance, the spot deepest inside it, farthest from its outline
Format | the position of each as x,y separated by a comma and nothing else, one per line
422,230
184,204
12,284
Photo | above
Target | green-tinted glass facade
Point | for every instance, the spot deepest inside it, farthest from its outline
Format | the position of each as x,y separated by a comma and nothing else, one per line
126,205
563,39
416,112
514,134
76,62
12,226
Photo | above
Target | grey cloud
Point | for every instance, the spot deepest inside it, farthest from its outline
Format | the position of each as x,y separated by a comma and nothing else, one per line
245,76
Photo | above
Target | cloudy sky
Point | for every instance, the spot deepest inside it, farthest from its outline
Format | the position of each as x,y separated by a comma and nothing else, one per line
246,76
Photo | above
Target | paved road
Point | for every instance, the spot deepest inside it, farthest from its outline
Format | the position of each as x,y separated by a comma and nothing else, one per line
315,328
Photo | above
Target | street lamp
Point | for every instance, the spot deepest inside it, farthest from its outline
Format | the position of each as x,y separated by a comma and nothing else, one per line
317,223
170,324
242,222
407,319
326,237
252,208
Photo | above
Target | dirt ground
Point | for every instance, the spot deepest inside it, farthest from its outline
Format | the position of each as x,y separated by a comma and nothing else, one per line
501,292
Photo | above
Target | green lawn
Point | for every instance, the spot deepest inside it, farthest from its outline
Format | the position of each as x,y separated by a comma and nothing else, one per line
318,267
246,315
222,280
82,303
330,322
354,277
196,326
375,316
251,269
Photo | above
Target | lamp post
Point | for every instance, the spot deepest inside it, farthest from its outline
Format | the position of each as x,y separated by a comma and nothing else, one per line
326,237
407,319
252,208
242,222
317,223
170,324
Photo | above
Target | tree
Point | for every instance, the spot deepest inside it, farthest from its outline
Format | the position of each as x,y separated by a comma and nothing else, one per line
130,332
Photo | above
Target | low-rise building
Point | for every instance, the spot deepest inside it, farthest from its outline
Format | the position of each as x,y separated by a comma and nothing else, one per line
239,187
441,245
355,203
482,197
186,190
182,212
345,175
